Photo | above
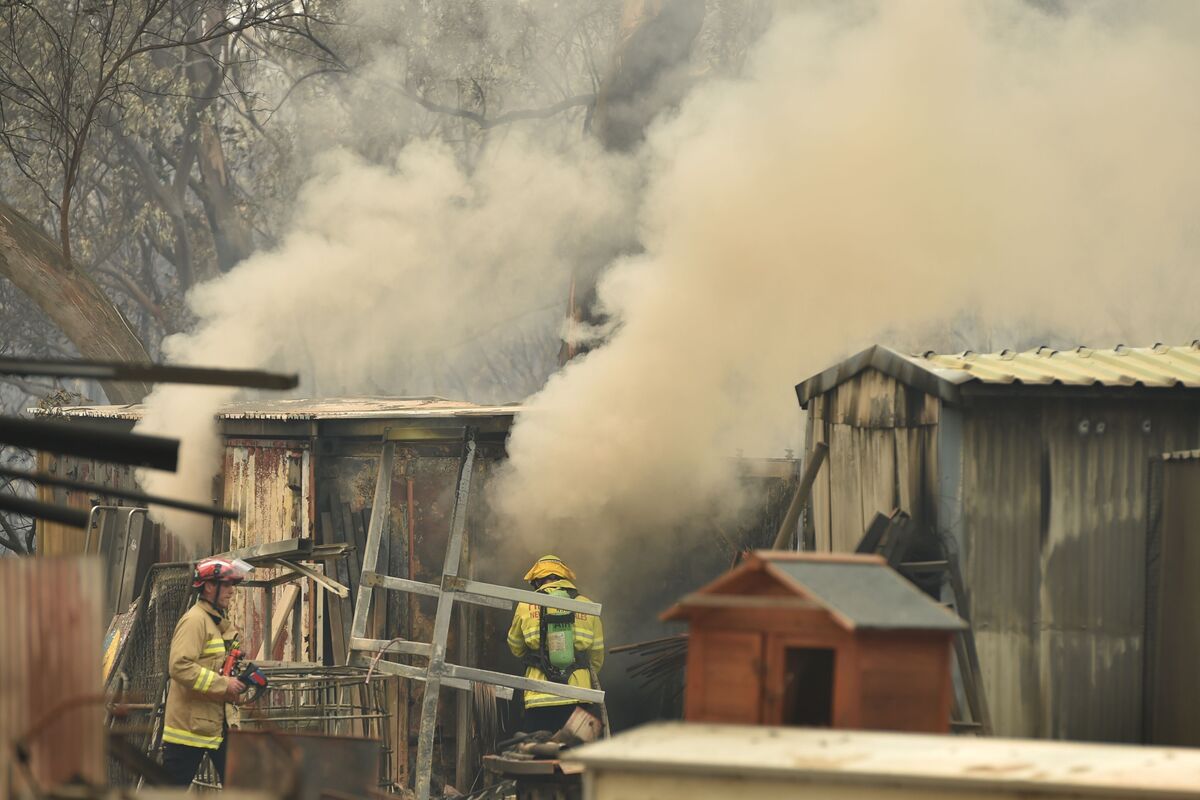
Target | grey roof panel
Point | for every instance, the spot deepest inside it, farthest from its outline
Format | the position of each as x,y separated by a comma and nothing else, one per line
871,596
941,375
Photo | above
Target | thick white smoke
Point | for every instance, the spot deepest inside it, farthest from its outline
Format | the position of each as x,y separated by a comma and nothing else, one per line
877,168
397,280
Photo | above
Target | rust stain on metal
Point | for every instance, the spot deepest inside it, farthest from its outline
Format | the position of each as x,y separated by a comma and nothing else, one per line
50,632
267,482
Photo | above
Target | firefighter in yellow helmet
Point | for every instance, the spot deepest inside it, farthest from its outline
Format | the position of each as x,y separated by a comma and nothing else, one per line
539,636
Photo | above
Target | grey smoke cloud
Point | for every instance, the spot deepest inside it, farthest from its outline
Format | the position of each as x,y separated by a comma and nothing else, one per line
884,167
875,168
398,279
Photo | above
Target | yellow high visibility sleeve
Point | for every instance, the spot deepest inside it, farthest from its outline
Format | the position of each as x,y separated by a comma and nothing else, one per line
188,645
516,632
525,636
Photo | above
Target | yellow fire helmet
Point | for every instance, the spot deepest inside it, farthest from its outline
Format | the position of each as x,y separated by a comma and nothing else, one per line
549,565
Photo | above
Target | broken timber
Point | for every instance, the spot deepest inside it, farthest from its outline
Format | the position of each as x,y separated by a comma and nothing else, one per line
438,672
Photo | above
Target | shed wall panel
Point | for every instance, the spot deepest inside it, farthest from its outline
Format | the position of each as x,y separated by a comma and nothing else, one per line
874,400
1001,521
1175,662
1092,631
1054,521
267,483
881,437
822,500
56,539
871,471
878,474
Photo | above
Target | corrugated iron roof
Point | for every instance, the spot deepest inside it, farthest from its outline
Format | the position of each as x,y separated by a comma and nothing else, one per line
868,595
301,409
1160,366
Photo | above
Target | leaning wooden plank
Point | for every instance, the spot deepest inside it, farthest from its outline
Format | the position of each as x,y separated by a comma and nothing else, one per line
283,608
339,607
309,572
370,551
346,532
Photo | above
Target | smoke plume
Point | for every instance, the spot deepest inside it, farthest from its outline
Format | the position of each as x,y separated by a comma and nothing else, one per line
396,280
878,168
885,169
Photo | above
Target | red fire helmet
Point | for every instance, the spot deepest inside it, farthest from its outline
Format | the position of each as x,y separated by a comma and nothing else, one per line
220,569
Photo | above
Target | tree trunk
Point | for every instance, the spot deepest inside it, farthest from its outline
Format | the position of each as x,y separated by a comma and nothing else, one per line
230,227
70,298
649,68
648,74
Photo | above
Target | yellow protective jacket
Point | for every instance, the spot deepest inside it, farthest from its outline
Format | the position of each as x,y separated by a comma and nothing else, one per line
196,709
525,636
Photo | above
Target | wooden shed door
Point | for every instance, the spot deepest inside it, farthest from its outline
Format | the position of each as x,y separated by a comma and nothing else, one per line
269,483
725,677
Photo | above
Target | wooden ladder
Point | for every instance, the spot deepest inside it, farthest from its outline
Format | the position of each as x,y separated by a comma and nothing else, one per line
438,672
891,536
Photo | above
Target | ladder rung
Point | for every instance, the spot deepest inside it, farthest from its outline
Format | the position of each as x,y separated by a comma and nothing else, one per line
381,645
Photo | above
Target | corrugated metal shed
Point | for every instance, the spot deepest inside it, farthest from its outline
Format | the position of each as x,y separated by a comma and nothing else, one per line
942,375
50,632
1036,464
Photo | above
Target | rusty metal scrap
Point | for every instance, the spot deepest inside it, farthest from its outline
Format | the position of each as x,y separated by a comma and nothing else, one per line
50,632
148,373
45,479
303,766
91,441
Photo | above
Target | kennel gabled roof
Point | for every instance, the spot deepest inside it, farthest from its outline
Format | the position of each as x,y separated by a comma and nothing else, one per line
861,592
942,375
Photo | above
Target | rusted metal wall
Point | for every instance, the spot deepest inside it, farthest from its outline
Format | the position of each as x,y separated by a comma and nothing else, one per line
50,631
269,483
881,440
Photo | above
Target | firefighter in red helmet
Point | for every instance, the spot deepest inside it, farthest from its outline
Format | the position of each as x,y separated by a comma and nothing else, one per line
201,703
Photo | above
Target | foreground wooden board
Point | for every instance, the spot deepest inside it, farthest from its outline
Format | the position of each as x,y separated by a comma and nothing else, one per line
680,760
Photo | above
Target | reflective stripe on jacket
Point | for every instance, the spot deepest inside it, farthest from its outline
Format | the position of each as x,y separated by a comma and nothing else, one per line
196,709
525,636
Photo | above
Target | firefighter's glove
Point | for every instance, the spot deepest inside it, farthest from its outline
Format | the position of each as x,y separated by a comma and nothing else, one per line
233,692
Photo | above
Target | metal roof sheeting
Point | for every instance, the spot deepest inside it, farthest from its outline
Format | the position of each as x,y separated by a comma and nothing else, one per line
308,409
1160,366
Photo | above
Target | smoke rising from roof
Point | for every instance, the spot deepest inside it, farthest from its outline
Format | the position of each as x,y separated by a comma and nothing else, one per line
876,169
397,280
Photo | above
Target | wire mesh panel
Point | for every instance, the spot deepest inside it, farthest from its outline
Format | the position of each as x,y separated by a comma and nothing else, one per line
139,672
335,701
